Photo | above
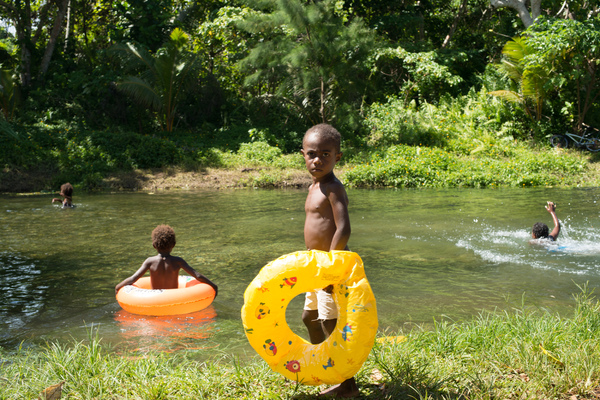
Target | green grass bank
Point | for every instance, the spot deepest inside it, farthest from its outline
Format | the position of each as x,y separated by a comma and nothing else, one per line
523,353
472,141
105,160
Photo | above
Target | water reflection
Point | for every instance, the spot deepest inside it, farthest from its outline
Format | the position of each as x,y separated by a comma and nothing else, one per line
166,333
22,296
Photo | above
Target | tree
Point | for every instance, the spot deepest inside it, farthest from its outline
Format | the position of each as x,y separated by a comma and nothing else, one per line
312,57
558,56
9,94
572,50
147,23
164,78
223,44
27,15
530,82
527,17
418,75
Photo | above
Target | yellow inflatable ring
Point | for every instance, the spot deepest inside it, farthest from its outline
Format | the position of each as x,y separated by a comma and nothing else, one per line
263,315
191,296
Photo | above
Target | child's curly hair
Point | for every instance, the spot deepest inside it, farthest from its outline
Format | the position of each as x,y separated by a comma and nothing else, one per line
66,189
540,230
163,238
326,132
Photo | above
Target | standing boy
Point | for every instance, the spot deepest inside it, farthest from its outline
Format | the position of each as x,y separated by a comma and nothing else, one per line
327,227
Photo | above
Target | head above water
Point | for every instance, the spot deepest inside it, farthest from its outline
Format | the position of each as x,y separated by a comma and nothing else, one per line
66,190
540,231
325,133
163,238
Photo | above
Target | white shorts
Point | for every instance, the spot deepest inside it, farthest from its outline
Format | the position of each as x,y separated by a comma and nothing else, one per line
322,302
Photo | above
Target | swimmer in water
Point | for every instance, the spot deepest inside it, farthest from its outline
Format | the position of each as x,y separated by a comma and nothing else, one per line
66,191
540,230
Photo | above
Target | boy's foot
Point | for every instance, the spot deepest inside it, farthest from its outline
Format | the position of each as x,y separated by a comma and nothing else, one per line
345,389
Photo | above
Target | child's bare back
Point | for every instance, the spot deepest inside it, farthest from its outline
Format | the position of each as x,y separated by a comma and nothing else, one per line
164,270
163,267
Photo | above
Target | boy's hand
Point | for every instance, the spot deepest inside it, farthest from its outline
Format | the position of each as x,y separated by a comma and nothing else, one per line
550,207
328,289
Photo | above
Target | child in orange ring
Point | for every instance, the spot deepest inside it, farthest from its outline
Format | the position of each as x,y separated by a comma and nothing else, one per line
540,230
327,227
164,268
66,191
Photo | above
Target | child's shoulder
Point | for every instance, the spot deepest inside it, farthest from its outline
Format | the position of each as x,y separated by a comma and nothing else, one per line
174,261
153,258
334,185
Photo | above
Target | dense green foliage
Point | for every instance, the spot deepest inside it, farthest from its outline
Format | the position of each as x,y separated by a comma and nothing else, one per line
520,353
468,144
198,81
405,166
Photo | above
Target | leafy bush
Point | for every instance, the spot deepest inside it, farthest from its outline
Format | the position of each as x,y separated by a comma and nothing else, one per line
261,154
392,123
406,166
85,157
461,124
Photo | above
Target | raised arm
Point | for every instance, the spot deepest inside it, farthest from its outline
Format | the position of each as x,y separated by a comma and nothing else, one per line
551,209
133,278
199,276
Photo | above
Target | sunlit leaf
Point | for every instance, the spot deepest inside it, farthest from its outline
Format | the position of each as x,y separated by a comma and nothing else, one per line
53,392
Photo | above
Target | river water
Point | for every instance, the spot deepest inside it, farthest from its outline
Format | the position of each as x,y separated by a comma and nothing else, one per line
430,255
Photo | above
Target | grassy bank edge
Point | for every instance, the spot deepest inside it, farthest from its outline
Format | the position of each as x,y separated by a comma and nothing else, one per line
265,177
522,353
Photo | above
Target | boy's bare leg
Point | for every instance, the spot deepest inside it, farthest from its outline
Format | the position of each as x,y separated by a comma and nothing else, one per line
348,388
314,326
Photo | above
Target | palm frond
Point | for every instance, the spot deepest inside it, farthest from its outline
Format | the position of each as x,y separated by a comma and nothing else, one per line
516,49
508,95
141,92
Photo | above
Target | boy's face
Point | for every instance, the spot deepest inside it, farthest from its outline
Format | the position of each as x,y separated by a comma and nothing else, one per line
320,155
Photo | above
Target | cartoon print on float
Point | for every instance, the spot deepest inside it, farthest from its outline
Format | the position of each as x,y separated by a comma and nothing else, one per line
342,354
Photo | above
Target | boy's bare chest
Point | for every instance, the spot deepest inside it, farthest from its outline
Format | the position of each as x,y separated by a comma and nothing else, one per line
317,202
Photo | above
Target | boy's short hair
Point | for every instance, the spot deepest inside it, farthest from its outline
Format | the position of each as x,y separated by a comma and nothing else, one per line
326,132
66,189
163,237
540,230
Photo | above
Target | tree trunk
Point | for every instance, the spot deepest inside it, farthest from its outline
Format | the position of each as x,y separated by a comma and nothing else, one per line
459,14
22,20
60,17
536,9
68,24
25,70
322,108
521,8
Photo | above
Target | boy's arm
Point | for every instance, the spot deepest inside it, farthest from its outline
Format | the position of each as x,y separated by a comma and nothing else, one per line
551,209
199,276
133,278
339,205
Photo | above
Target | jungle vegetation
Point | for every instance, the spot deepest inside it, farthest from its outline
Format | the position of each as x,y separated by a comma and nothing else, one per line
91,88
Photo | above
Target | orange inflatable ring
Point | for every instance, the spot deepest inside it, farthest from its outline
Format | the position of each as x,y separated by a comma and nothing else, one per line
191,296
